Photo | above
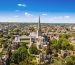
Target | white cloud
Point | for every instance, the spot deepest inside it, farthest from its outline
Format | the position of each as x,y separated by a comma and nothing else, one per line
60,17
66,16
31,17
21,5
27,14
44,14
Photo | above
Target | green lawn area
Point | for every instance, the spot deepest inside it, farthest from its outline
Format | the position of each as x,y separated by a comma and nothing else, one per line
25,41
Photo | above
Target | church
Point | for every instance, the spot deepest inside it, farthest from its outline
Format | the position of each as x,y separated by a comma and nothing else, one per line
39,39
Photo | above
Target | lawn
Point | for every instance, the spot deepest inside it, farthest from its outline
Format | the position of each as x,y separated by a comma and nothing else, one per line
25,41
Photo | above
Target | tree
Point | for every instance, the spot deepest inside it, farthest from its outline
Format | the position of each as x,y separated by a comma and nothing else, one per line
70,60
24,44
16,30
19,55
28,61
64,36
10,40
15,58
1,40
5,45
63,44
33,49
54,42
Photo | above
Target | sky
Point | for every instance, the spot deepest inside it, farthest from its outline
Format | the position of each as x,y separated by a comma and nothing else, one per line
50,11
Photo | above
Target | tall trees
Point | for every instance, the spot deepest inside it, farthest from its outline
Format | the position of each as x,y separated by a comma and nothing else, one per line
19,55
70,60
62,43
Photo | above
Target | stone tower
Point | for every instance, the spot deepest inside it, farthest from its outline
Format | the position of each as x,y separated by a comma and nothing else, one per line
39,27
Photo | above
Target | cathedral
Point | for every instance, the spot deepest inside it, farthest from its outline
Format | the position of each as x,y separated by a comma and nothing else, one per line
37,38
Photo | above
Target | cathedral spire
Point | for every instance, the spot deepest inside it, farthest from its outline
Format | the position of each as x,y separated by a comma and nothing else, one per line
39,24
39,27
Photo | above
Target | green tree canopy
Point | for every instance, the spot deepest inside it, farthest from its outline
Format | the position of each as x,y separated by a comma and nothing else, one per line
33,49
19,55
1,40
70,60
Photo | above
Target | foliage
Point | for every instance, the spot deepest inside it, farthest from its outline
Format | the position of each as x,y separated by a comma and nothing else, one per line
24,44
5,45
61,44
33,49
1,40
19,55
70,60
16,30
54,41
10,40
28,61
65,36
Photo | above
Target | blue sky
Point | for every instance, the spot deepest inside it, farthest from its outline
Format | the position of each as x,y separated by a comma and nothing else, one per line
51,11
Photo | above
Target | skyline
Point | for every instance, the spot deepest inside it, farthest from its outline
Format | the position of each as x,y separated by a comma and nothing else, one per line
51,11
